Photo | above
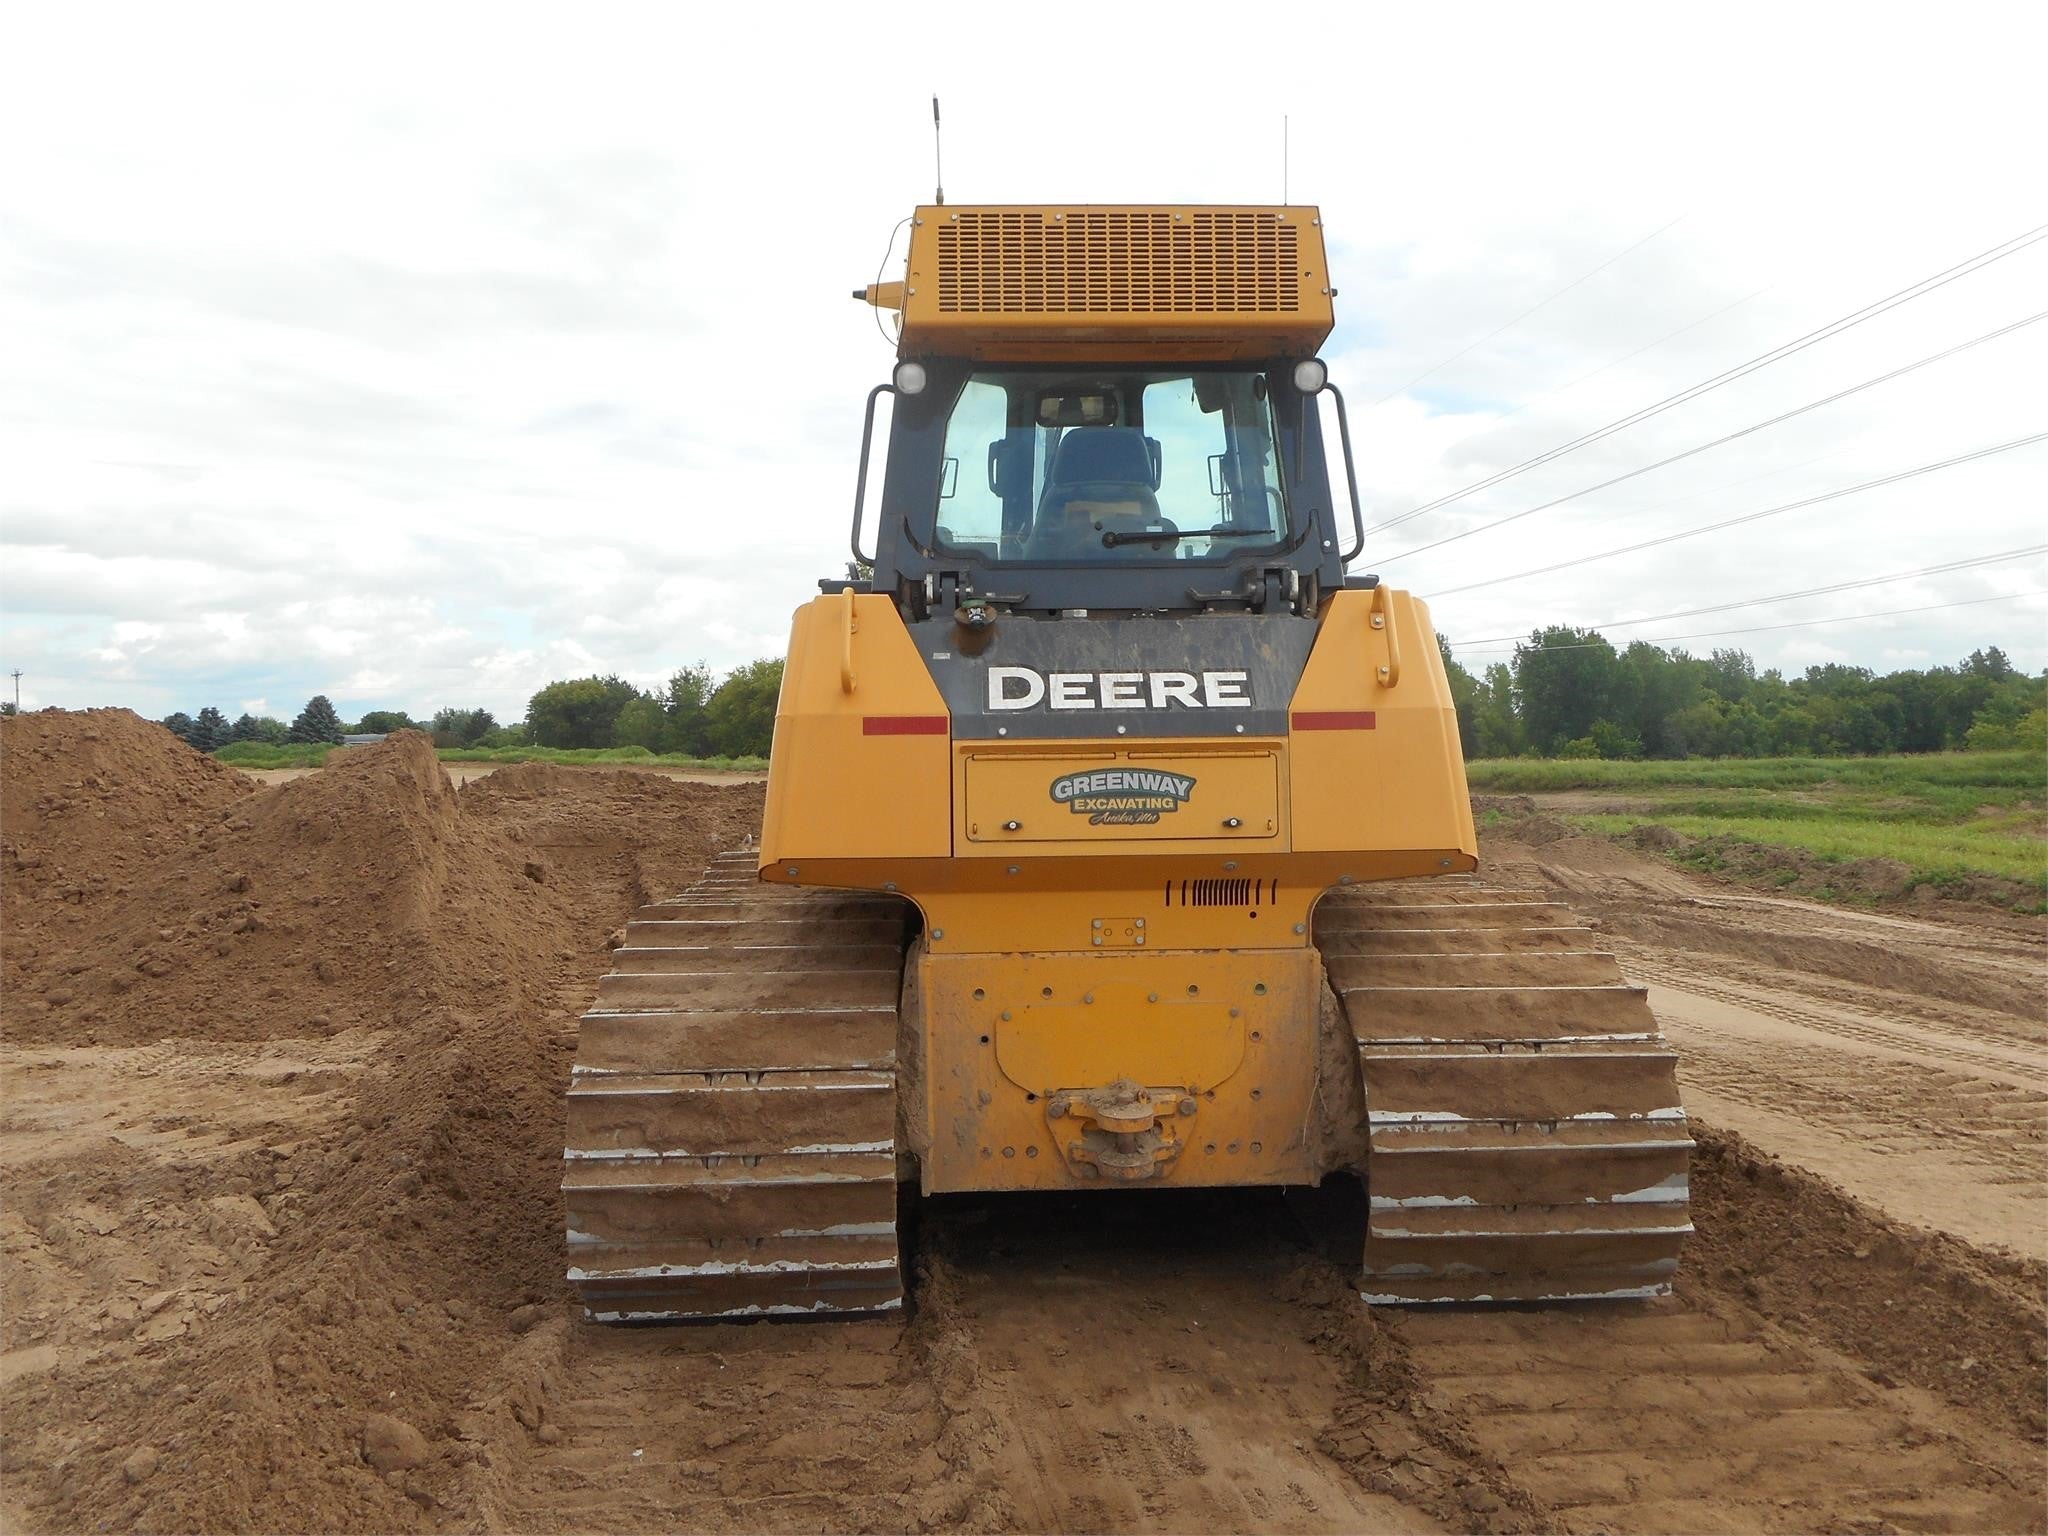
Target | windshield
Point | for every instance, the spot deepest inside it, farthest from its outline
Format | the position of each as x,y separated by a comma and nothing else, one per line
1110,467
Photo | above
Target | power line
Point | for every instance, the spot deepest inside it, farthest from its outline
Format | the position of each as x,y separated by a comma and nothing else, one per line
1525,314
1623,514
1786,597
1758,629
1812,405
1748,517
1799,344
1561,389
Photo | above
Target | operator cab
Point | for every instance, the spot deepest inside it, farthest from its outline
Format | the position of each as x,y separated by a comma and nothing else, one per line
1050,489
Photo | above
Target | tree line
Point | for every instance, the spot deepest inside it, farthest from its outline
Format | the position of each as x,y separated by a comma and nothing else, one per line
1571,693
1565,692
320,723
695,714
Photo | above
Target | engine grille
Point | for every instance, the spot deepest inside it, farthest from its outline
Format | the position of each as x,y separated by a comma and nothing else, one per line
1018,261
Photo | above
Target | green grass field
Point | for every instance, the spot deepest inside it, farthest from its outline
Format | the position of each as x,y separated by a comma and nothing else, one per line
1948,817
249,754
1969,772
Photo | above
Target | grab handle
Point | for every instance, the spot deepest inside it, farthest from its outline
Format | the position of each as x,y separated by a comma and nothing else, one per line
1383,620
851,622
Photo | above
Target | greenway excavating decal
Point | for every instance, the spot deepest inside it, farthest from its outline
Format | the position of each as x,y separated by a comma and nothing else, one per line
1026,688
1122,797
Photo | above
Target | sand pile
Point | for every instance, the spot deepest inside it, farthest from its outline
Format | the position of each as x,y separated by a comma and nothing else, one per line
1843,1272
86,800
240,1304
363,896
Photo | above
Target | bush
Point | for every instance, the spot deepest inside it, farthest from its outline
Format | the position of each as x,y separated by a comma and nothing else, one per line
263,754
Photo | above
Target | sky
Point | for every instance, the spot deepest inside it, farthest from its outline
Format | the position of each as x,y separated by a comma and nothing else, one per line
421,355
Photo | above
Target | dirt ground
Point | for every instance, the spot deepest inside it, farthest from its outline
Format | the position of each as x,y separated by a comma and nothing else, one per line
279,1129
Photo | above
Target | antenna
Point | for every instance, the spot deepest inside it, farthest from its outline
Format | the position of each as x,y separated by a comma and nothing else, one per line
938,156
1283,159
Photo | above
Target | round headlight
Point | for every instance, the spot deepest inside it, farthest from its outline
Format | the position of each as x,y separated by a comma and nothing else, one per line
1310,375
910,378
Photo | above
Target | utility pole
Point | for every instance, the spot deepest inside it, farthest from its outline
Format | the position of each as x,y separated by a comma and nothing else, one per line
16,675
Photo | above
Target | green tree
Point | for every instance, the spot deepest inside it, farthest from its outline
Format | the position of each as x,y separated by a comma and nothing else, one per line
741,714
382,722
462,727
579,712
686,727
1564,679
1661,684
179,724
640,723
1925,707
1500,729
2030,731
1992,663
317,722
1464,698
1731,674
2008,717
1611,741
210,731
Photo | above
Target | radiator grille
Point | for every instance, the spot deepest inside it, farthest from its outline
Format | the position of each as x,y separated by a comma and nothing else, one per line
1026,262
1222,893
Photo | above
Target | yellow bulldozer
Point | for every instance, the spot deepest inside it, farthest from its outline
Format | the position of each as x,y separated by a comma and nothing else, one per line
1115,836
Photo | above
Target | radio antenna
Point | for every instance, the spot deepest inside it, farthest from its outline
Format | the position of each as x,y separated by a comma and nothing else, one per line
1283,159
938,156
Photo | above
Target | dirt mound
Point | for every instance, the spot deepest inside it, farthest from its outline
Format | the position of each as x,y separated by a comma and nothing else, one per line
105,781
86,799
347,898
1810,1257
1796,871
367,895
360,983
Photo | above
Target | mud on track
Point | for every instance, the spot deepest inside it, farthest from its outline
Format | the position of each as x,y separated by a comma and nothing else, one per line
264,1179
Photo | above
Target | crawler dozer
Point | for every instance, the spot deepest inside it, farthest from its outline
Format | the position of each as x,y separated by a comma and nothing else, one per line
1115,836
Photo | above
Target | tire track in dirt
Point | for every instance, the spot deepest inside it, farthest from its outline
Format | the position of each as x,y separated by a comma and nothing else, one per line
1925,1040
1148,1361
1952,1135
850,1425
1773,1392
1895,1108
1108,1361
1697,1415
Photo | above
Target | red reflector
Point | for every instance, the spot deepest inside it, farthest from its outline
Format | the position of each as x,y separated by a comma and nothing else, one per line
1333,720
905,725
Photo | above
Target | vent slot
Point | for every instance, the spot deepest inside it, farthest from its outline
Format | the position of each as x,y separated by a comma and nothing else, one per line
1222,893
1110,262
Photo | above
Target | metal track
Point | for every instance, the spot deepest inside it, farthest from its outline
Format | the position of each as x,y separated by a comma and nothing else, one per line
732,1111
1526,1137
